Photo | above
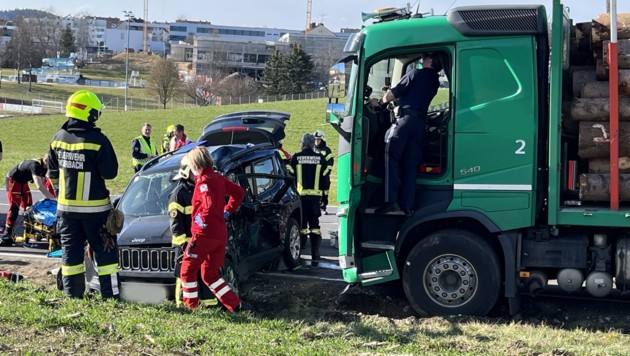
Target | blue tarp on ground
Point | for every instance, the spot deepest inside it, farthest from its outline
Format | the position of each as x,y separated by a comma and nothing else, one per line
45,212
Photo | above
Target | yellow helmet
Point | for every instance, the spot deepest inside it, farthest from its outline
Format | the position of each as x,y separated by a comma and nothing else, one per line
170,128
84,105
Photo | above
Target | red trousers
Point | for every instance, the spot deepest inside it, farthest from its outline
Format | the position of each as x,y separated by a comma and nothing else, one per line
206,253
18,194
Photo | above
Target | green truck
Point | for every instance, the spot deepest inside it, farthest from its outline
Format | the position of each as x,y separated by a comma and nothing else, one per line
499,207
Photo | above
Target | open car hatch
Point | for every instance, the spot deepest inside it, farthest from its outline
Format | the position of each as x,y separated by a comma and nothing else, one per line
245,127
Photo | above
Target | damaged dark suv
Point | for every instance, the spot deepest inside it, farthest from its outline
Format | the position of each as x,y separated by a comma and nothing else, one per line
264,231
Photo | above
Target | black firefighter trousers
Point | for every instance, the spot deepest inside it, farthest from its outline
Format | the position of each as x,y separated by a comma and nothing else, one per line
74,235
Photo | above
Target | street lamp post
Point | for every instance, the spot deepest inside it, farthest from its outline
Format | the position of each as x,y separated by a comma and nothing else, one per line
129,16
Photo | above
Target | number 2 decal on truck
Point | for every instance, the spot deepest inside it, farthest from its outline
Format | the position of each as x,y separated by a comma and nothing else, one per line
521,149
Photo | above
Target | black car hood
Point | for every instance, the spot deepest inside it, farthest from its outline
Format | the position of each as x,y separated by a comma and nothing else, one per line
145,230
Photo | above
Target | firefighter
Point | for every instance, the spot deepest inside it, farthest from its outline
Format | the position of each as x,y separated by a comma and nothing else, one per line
81,159
19,193
179,209
308,167
166,138
206,249
143,148
324,150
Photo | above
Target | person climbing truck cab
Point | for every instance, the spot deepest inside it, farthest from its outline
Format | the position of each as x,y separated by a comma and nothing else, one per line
322,148
308,168
81,159
179,210
19,193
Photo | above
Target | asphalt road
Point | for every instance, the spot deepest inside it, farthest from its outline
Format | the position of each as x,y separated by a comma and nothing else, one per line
328,224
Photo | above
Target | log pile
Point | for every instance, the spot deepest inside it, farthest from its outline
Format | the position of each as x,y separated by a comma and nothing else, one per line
590,106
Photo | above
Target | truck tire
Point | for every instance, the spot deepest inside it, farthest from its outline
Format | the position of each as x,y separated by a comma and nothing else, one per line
452,272
291,252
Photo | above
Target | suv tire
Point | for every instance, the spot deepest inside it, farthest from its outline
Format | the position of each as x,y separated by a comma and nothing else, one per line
291,253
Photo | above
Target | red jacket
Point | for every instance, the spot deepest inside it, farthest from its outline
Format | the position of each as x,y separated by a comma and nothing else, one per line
208,201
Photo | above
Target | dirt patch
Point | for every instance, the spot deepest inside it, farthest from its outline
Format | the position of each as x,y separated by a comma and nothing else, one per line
137,61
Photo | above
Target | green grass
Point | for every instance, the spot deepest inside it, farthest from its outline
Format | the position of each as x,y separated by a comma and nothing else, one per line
39,320
29,136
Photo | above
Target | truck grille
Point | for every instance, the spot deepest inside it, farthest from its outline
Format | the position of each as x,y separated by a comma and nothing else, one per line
147,259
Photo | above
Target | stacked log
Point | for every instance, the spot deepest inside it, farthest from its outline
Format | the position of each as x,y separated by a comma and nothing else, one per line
590,106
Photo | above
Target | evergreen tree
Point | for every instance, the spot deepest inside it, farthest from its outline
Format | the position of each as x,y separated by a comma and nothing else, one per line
299,70
274,74
67,42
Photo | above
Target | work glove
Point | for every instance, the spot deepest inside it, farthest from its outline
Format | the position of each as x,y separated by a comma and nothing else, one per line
226,215
114,222
199,222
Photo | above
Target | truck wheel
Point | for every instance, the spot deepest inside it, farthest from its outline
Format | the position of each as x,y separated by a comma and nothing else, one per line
230,274
452,272
291,253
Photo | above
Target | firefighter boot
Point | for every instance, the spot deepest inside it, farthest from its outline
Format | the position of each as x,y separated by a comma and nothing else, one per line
316,241
7,239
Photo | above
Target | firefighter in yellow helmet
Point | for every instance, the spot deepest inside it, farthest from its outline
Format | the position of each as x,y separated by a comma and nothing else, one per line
166,139
81,158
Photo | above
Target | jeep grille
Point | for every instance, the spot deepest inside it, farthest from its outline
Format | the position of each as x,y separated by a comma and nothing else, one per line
147,259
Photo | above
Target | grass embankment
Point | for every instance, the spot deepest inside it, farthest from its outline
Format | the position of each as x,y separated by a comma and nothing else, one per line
39,320
29,136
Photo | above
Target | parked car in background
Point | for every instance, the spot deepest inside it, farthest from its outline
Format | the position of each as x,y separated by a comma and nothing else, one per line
264,231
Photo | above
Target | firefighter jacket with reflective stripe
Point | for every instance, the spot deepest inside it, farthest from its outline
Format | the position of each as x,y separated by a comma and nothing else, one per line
141,150
81,158
325,151
308,167
179,209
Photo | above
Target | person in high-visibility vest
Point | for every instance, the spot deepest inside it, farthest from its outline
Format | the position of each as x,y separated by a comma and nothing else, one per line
166,139
143,148
81,158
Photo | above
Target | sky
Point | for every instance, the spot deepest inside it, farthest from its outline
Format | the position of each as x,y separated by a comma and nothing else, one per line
285,14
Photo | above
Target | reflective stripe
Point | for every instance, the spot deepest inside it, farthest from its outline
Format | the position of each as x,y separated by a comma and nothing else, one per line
75,146
188,210
223,290
82,209
72,270
315,192
325,192
327,171
85,203
175,206
329,157
316,231
80,184
299,179
109,269
180,239
318,171
216,284
86,186
189,284
114,280
290,169
523,187
304,231
178,292
190,294
211,301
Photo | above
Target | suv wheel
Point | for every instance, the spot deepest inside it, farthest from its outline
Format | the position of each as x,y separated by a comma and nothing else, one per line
230,274
291,253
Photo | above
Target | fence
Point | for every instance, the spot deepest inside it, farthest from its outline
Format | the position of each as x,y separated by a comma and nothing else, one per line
51,102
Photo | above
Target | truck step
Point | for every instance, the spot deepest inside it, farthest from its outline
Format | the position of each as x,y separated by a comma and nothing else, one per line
378,245
375,274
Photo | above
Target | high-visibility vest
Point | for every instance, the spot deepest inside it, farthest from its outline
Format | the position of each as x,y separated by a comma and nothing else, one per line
144,148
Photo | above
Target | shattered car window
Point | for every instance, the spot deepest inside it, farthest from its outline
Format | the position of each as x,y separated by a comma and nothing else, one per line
148,194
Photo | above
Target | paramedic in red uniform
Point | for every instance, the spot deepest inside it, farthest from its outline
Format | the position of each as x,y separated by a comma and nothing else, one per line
19,193
206,249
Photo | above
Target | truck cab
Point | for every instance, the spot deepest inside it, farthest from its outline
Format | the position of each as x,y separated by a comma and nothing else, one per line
491,191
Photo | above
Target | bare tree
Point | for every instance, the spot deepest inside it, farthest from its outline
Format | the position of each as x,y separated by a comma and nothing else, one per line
23,51
164,80
236,84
